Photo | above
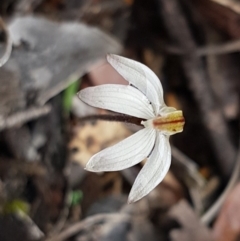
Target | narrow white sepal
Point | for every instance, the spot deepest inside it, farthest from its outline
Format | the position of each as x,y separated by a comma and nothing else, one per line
119,98
154,170
126,153
141,77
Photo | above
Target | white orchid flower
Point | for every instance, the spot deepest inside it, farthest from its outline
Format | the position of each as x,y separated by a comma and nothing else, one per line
143,98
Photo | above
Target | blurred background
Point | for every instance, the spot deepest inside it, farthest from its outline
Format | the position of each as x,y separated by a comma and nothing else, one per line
58,48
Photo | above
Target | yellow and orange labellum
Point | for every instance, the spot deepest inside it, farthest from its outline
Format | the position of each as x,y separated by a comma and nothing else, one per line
169,123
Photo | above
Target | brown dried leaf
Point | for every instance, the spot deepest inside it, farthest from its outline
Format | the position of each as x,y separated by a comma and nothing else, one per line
227,226
92,138
192,229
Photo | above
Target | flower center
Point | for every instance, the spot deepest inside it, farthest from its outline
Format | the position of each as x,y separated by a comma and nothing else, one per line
169,123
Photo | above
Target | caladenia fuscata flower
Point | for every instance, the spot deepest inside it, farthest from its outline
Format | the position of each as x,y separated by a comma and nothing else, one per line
142,98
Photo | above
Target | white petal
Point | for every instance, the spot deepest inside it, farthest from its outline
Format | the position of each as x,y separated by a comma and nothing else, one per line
125,154
154,170
141,77
119,98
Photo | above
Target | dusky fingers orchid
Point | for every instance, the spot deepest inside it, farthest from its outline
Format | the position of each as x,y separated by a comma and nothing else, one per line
142,98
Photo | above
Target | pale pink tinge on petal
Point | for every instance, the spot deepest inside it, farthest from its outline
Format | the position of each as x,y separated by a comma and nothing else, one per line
105,74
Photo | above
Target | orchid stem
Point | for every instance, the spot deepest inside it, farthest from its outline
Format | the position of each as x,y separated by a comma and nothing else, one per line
117,118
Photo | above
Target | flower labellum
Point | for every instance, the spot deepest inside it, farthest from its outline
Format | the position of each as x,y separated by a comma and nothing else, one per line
142,98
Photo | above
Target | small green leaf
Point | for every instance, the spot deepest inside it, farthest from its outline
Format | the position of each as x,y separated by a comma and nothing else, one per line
76,197
68,96
16,206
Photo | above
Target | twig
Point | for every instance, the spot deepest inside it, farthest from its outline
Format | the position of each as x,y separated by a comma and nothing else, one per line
179,32
24,116
213,210
78,227
234,6
8,49
230,47
189,165
63,215
226,48
193,179
22,167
